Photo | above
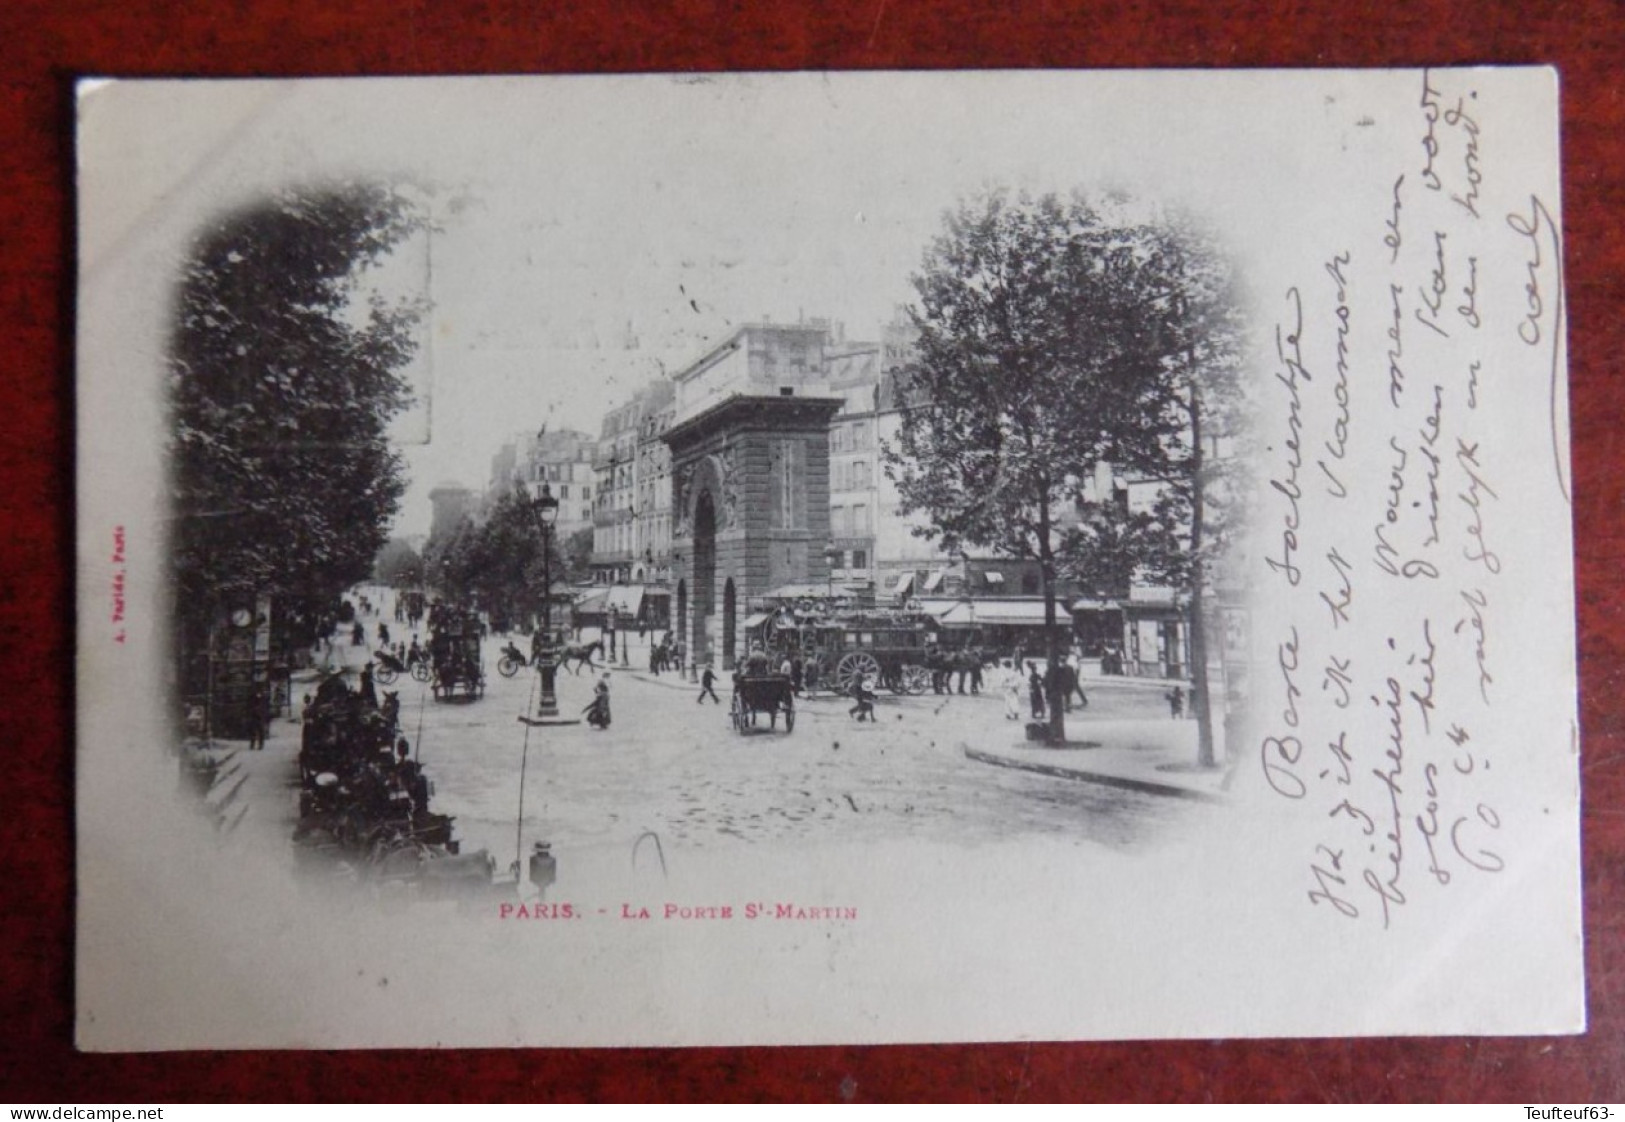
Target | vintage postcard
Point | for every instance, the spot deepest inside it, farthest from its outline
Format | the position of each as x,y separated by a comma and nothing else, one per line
806,558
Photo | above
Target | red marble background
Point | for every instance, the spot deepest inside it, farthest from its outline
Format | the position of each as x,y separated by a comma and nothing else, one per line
44,44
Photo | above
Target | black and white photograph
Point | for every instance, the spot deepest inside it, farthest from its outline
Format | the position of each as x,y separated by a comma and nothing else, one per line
823,558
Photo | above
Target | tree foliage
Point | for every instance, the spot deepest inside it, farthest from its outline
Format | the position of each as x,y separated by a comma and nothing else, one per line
1056,335
285,372
398,565
1032,366
496,564
1194,308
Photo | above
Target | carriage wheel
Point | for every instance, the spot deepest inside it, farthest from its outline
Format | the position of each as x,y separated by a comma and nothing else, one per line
420,672
737,712
855,666
507,667
789,714
916,679
385,675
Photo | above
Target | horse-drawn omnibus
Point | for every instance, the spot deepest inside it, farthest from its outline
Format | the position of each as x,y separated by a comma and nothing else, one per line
894,649
455,663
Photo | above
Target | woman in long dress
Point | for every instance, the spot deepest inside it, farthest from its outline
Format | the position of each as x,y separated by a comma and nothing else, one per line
1012,691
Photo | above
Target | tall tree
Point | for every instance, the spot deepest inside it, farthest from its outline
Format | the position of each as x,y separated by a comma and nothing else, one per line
1190,302
1035,363
496,564
285,372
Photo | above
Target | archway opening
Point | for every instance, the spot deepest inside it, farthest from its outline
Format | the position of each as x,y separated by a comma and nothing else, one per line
682,613
705,577
729,608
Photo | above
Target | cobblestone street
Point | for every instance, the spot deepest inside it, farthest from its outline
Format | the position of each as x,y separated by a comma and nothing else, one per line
679,770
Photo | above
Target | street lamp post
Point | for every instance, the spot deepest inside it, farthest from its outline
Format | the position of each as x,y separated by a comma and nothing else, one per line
545,509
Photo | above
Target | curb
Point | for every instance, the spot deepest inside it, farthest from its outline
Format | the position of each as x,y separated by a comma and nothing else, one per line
1144,786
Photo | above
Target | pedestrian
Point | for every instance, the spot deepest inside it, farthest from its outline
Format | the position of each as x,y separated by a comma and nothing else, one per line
598,711
1065,679
1055,691
976,670
708,684
962,666
1176,702
1012,691
383,633
864,697
358,635
1075,676
368,694
258,717
1035,690
809,678
797,674
304,710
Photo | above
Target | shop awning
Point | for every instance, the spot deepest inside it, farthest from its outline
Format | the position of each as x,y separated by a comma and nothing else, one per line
904,585
1000,613
1096,606
592,601
933,583
626,598
756,620
993,578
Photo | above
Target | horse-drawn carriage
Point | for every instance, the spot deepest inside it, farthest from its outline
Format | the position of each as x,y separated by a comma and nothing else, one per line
455,663
891,649
757,694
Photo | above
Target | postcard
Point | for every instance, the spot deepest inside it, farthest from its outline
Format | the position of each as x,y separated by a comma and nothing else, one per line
806,558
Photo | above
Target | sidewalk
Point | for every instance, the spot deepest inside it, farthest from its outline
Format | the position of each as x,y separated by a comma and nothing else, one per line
1156,757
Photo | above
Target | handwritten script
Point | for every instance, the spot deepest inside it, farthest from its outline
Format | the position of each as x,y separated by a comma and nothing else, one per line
1386,518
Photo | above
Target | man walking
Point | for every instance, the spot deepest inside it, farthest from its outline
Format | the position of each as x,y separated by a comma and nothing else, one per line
259,704
708,683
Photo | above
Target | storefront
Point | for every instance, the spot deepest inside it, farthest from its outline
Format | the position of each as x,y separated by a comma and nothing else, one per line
1001,627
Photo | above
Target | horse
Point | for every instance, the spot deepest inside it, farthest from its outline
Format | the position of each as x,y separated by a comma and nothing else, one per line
581,655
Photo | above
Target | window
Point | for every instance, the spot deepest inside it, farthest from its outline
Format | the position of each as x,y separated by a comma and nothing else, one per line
860,474
564,491
840,522
860,559
837,438
860,519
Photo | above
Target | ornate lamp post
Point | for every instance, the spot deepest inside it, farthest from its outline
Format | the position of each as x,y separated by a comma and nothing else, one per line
832,557
545,509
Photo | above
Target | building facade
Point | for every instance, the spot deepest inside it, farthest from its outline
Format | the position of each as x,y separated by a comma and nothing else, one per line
615,495
854,464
